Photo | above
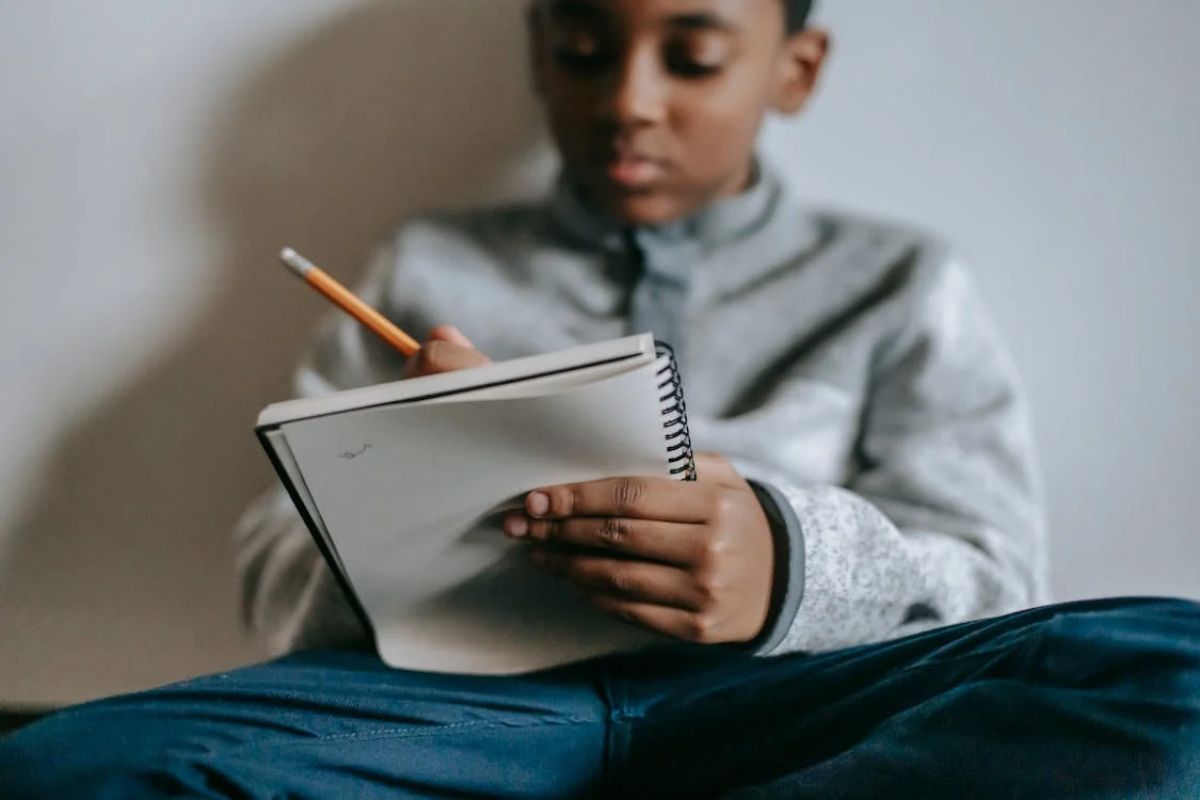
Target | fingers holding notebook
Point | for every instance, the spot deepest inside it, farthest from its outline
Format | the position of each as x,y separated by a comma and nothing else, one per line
691,559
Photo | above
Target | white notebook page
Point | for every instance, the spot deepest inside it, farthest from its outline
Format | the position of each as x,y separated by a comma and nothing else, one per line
445,592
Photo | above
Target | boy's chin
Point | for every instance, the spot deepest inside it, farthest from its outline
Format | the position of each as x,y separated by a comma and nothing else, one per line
646,208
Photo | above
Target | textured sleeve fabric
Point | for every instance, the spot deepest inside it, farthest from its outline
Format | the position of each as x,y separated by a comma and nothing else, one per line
942,521
290,598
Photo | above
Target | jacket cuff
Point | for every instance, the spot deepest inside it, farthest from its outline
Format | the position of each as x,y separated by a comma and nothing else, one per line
787,588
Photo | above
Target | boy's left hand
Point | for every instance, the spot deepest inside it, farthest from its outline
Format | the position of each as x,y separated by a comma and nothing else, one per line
691,559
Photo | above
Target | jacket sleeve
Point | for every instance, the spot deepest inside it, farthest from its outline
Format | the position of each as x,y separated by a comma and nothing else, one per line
942,521
290,598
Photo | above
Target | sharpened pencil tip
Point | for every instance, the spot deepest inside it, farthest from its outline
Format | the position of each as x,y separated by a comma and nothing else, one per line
295,262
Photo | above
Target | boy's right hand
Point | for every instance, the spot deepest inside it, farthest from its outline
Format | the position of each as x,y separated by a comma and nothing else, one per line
445,350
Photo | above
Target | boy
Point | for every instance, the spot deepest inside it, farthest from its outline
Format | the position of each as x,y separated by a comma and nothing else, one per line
869,489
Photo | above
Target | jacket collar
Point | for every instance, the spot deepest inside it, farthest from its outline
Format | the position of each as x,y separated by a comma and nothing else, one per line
719,224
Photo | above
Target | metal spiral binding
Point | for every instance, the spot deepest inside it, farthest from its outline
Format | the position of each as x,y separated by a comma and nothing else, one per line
680,458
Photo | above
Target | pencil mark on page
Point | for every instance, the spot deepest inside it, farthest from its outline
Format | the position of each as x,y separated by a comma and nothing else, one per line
350,456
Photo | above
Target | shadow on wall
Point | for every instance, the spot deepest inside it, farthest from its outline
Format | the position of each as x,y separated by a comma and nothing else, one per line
120,571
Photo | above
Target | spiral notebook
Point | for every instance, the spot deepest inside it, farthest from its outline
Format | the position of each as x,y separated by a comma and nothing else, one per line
402,486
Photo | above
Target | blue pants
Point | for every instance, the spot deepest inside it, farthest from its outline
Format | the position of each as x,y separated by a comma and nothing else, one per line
1098,699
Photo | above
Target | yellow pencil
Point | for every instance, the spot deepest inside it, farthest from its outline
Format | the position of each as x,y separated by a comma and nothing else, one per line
344,299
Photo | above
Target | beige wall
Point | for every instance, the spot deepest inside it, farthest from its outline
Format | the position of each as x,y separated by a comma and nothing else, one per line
154,156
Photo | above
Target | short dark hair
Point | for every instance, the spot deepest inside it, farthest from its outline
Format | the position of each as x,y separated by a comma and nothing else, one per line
797,13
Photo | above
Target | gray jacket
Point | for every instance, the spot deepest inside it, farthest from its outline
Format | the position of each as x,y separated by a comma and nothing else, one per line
844,365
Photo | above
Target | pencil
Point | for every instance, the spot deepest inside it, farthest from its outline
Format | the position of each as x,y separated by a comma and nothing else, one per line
344,299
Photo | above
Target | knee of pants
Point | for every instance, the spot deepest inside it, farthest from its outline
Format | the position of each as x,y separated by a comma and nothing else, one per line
1146,643
1141,656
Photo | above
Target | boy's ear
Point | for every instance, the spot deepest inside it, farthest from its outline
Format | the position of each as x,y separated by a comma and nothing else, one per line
800,64
535,24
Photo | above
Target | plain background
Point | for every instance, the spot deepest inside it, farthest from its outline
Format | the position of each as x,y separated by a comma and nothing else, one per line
154,157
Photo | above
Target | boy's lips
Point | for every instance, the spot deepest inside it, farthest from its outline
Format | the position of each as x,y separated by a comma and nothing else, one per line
631,171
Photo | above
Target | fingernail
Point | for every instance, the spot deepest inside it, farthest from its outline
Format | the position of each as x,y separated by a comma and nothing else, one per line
517,527
538,504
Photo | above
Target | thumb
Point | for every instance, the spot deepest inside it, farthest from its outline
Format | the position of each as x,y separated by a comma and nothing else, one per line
449,333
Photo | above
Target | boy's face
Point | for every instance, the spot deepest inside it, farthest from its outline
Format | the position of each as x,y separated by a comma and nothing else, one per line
656,104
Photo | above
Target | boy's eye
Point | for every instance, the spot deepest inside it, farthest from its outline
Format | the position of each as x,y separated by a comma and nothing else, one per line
696,59
579,51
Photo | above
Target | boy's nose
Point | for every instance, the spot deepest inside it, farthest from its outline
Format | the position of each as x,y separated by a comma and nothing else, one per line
638,94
